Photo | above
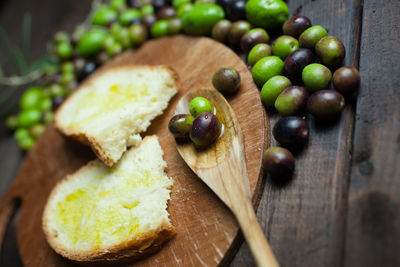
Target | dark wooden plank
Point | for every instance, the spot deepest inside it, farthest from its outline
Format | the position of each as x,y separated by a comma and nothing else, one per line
304,220
373,224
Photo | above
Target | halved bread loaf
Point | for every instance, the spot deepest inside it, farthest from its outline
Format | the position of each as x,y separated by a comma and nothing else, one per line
101,214
109,110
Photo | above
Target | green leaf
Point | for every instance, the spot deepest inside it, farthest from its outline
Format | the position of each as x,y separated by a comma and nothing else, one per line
4,42
19,60
41,63
26,33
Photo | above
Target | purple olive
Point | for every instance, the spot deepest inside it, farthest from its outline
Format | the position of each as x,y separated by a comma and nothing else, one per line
291,132
331,51
296,61
325,104
166,13
180,125
296,25
278,162
236,10
205,129
291,101
221,30
149,20
253,37
346,80
237,30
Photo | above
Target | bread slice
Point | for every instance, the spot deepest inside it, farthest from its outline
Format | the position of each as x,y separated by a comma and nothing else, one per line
109,110
101,214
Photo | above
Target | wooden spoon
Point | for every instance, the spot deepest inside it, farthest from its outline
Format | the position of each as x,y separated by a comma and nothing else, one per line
222,167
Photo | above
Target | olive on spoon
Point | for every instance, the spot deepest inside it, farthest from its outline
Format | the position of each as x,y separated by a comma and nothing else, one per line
222,167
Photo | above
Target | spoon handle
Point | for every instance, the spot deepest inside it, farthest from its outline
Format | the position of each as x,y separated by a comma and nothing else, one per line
255,238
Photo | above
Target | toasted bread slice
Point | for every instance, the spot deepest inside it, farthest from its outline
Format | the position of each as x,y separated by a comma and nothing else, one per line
109,110
100,214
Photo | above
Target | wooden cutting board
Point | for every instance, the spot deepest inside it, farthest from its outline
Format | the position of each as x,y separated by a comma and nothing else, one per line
207,233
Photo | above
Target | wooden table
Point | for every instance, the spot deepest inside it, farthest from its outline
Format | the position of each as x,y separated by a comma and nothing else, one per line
343,206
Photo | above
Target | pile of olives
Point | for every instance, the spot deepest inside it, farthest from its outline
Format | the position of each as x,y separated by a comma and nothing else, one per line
201,126
293,73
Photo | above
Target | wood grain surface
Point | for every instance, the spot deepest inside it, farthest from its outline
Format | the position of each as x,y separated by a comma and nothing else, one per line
206,230
342,207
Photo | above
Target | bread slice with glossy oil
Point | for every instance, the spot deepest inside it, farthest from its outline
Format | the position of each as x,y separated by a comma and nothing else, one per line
111,108
109,215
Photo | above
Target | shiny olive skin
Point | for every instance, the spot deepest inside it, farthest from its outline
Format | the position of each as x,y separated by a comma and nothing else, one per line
220,31
278,162
331,51
180,125
325,104
291,101
166,13
252,38
296,25
226,80
258,52
316,77
200,105
310,37
149,20
205,129
291,132
137,34
346,80
284,45
174,26
296,61
236,10
238,29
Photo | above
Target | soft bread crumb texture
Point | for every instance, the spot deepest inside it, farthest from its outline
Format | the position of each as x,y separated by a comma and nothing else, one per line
110,110
99,209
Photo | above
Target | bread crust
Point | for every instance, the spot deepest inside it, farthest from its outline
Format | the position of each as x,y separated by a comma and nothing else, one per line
134,249
81,136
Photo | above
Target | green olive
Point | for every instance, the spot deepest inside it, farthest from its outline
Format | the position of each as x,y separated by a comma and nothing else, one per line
31,98
47,116
129,15
147,10
117,4
27,143
267,13
61,37
12,122
67,67
330,50
174,26
64,50
91,42
56,90
36,130
180,125
310,37
284,46
316,77
160,28
20,134
138,34
67,78
29,117
178,3
124,38
200,105
267,68
272,88
104,15
201,19
45,104
183,9
258,52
